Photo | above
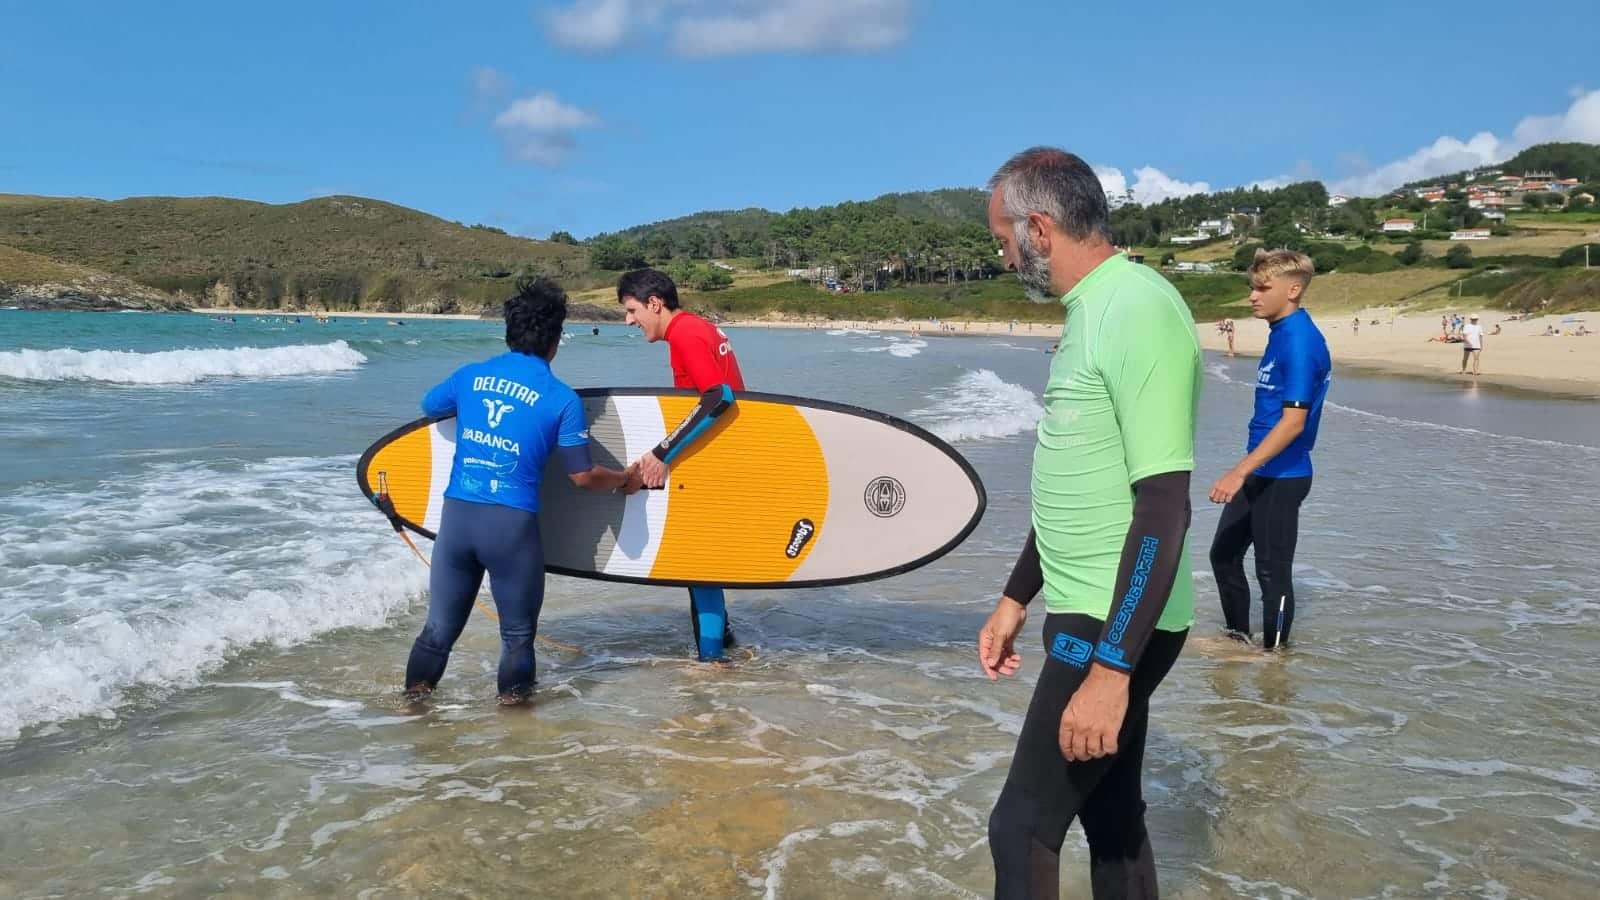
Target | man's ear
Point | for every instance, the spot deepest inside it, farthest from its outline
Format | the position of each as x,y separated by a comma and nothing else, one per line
1296,289
1039,226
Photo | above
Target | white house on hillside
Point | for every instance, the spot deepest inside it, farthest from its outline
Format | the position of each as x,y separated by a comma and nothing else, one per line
1399,225
1470,234
1337,199
1216,227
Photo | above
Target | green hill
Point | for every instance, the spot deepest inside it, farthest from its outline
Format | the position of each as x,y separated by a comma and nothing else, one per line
332,252
754,232
32,281
1564,160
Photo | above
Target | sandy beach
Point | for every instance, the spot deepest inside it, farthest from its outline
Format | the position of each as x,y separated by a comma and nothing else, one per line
1521,356
919,326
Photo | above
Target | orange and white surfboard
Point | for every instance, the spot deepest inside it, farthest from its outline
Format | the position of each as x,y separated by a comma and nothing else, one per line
783,492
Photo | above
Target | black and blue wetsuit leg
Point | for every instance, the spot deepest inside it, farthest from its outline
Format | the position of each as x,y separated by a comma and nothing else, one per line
474,538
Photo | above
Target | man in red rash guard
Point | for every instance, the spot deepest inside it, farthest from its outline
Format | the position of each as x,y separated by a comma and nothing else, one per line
702,359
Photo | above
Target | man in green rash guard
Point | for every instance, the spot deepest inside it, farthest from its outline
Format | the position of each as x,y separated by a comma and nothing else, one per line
1110,500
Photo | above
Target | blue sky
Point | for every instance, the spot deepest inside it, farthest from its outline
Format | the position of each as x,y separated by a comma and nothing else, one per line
598,114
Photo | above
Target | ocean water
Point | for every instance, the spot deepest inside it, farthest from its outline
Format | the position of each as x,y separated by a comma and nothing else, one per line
203,628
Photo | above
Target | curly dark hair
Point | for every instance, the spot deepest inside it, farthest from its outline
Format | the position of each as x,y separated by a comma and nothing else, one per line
534,316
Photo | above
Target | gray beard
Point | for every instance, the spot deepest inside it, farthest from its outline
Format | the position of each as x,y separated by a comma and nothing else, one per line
1035,275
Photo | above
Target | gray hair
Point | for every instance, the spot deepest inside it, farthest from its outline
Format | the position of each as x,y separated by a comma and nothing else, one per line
1054,183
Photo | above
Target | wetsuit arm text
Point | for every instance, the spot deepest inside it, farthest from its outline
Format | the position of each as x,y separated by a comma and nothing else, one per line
1150,556
713,404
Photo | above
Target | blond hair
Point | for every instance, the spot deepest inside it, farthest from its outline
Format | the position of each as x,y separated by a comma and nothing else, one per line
1283,263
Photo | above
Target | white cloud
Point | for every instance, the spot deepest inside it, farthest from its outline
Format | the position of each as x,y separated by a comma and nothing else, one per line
538,128
1150,185
597,24
1581,122
700,29
794,26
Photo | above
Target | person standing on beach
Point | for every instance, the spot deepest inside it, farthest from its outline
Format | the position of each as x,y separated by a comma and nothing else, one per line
1471,344
1227,330
702,358
1264,491
1110,512
1355,325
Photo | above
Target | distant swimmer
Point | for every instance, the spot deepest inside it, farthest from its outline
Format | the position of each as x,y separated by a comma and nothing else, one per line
702,358
512,414
1263,492
596,330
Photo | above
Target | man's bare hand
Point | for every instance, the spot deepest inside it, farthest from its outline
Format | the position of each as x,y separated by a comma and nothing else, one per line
997,651
652,471
1093,717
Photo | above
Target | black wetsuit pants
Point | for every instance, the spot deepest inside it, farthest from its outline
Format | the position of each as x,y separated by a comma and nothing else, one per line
1044,792
1266,513
474,538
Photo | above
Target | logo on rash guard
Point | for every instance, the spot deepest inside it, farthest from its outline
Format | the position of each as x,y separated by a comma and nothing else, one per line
497,410
1074,651
1264,374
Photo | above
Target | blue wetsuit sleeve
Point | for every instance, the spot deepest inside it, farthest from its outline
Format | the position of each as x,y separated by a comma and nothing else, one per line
713,403
441,401
1150,556
572,438
575,458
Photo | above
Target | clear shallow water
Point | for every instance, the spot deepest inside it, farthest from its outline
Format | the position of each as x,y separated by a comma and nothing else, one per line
204,627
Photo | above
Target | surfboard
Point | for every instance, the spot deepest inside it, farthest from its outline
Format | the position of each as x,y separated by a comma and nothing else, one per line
782,492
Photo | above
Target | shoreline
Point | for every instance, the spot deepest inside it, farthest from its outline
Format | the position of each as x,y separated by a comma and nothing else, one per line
961,328
1520,358
343,314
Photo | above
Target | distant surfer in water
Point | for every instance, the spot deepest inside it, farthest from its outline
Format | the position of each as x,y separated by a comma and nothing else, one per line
702,359
512,413
1110,499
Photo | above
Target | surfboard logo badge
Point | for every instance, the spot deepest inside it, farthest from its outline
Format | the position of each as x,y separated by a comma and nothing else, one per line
885,497
799,537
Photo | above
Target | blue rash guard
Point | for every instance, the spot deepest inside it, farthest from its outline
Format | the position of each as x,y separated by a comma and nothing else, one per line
1295,371
511,413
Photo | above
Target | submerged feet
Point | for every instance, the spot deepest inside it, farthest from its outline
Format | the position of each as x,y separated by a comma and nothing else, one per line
517,697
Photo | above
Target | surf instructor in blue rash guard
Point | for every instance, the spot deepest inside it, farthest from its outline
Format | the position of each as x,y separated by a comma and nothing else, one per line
1264,491
702,358
512,413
